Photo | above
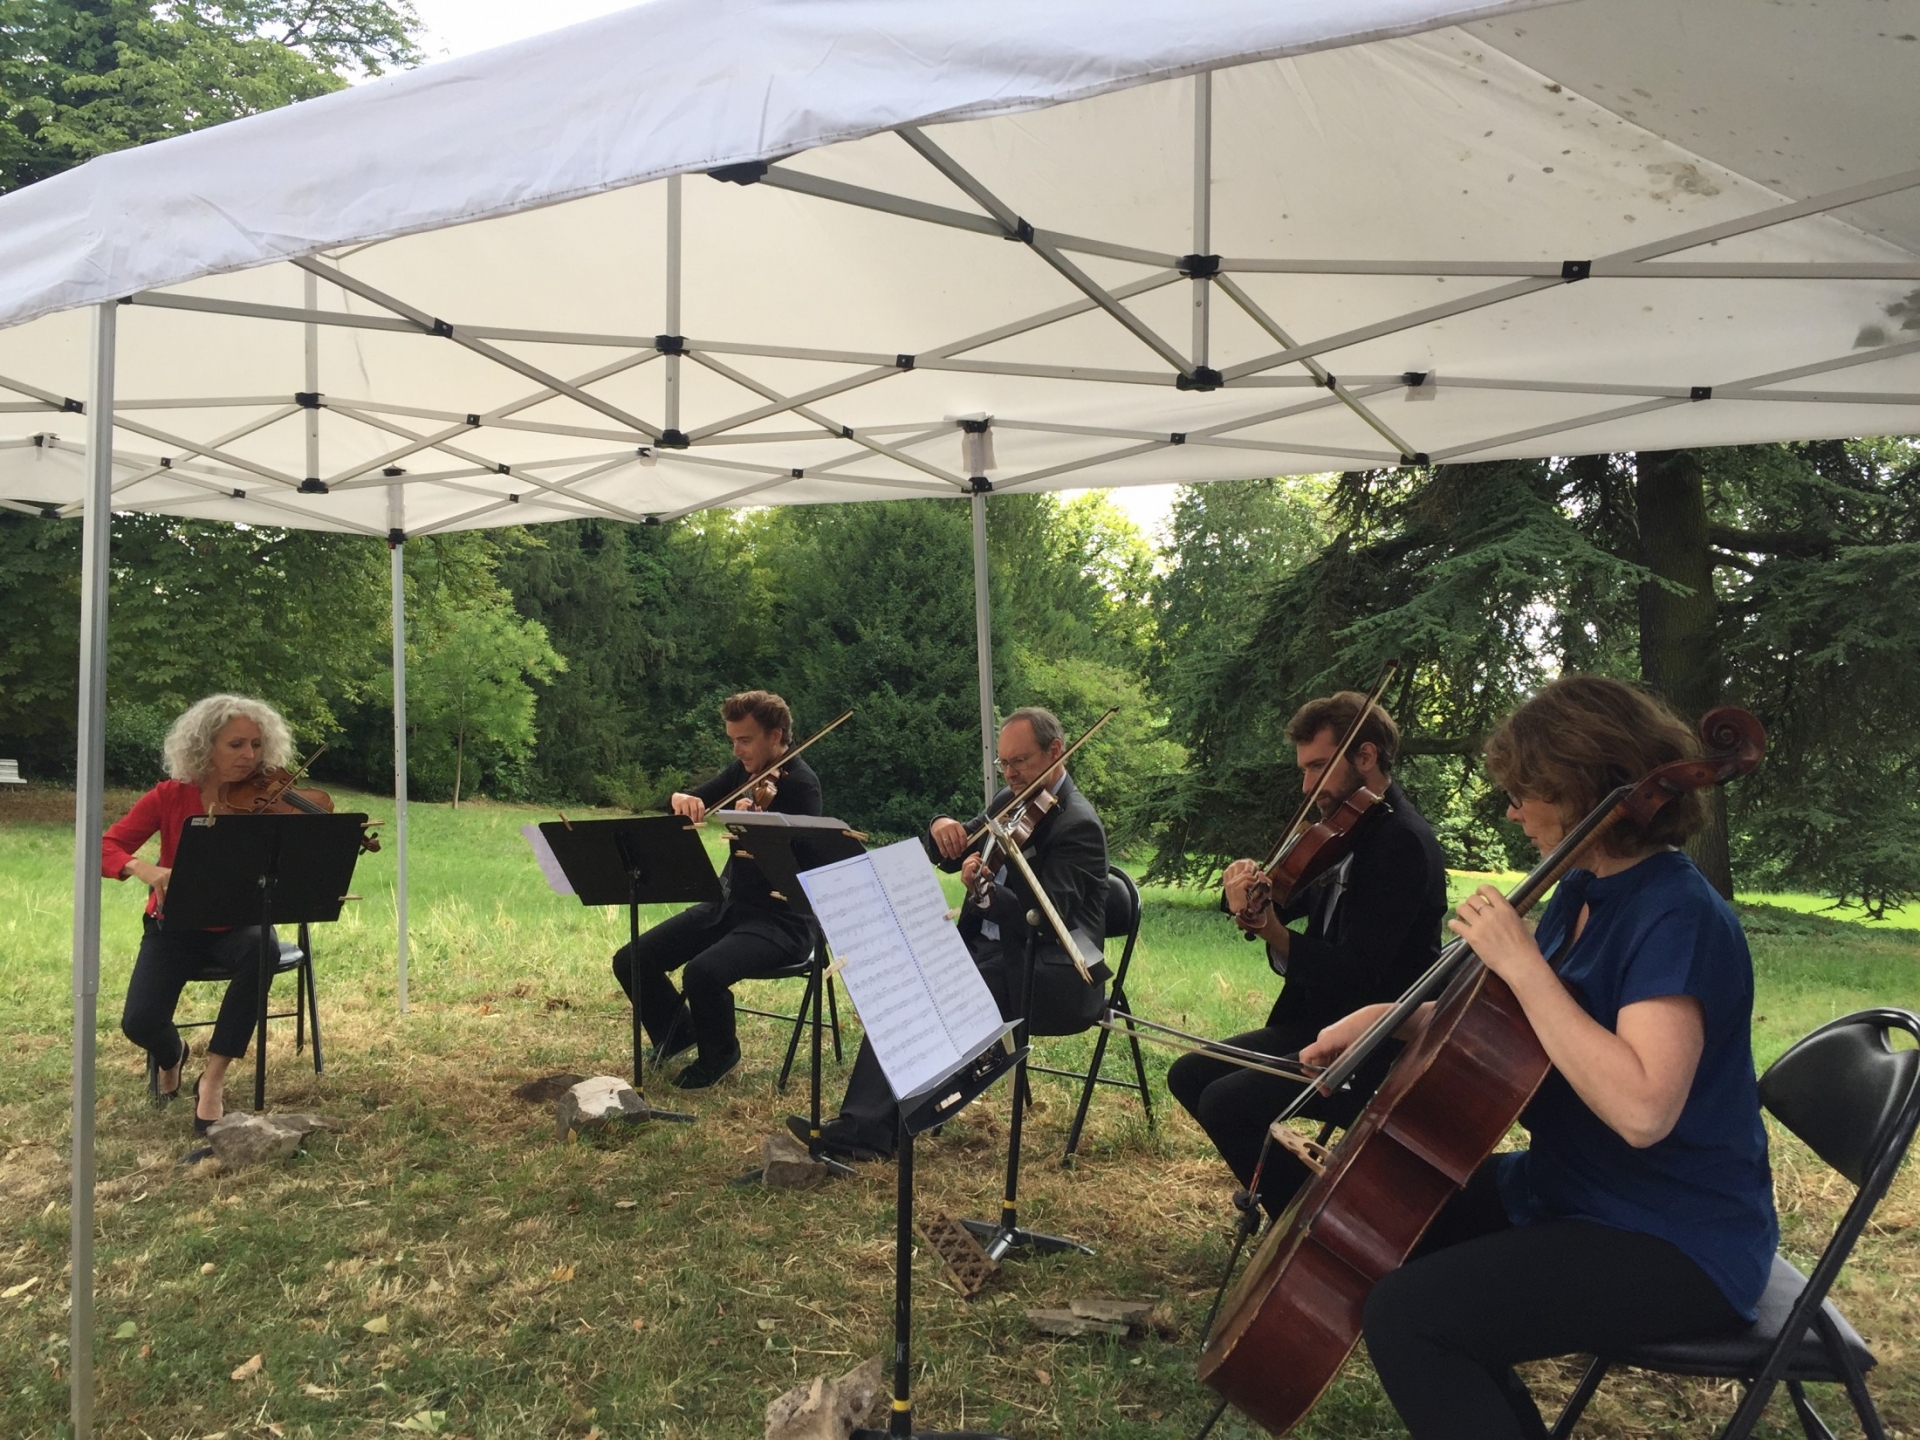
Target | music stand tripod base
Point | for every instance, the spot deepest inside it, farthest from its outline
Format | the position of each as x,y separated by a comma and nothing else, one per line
997,1240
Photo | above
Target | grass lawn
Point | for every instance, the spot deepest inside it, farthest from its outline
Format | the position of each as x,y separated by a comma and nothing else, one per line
444,1267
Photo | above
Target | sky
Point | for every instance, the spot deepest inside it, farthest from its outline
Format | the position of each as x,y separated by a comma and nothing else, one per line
460,27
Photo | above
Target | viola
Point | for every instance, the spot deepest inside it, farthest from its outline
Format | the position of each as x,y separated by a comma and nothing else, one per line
274,792
1452,1095
1019,823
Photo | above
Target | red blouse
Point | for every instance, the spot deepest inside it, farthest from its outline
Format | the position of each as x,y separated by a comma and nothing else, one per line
165,808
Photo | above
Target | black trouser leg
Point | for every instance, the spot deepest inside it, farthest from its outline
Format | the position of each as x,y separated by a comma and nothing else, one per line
1445,1330
1235,1106
711,975
661,949
239,1017
166,962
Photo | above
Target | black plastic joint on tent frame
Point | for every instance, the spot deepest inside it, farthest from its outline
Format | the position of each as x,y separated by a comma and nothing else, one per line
443,328
1198,267
746,173
238,494
673,440
903,362
307,399
980,485
396,537
1418,457
473,420
392,472
313,485
504,469
1572,270
1178,437
1700,392
166,462
1414,379
1022,231
1331,381
670,344
1204,377
797,473
71,406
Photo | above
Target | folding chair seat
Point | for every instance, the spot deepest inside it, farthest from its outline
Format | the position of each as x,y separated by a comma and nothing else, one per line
1122,924
1855,1101
812,969
296,958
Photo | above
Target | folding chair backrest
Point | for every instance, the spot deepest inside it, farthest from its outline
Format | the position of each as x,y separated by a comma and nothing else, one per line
1846,1092
1123,904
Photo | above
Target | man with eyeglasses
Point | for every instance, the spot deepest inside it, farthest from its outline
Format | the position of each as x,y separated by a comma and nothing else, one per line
1068,853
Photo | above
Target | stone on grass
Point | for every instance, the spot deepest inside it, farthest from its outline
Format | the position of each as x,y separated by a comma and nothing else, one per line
824,1409
788,1166
1065,1322
1134,1314
249,1139
595,1101
547,1089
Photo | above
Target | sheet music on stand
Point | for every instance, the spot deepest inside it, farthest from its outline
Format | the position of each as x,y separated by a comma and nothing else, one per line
922,1000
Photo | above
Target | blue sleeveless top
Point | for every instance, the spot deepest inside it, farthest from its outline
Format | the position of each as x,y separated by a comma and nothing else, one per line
1657,928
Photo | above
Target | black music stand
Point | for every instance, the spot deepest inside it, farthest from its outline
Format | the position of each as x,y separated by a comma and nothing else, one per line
634,861
931,1107
783,846
231,871
998,1238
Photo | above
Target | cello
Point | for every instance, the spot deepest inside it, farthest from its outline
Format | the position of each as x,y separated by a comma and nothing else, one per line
1294,1317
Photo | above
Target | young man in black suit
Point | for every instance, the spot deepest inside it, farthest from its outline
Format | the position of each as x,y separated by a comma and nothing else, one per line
747,933
1373,925
1068,853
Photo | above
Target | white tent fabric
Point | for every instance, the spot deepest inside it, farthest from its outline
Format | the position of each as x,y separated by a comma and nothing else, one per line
459,273
949,248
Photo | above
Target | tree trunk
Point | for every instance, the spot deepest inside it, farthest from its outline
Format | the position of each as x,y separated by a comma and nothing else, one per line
459,758
1679,642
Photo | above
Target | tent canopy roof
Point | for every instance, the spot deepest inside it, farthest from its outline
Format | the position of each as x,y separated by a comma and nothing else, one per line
1144,243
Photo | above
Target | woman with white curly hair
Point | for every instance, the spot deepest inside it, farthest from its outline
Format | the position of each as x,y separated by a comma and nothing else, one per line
219,741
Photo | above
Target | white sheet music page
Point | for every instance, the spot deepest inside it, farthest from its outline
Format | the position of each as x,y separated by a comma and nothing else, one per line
923,1003
549,863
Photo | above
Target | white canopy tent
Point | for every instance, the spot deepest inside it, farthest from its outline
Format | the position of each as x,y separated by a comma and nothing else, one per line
946,250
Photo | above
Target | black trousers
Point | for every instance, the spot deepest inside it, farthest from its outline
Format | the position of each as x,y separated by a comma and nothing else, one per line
1482,1294
168,959
1063,1004
715,952
1235,1106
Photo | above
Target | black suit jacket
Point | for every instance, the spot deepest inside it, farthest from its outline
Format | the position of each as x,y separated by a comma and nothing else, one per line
750,903
1068,853
1384,926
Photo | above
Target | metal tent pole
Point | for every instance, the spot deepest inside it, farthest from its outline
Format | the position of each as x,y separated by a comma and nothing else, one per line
396,545
983,641
1202,207
89,782
672,370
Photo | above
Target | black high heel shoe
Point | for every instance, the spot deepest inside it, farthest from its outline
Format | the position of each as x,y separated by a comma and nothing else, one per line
162,1097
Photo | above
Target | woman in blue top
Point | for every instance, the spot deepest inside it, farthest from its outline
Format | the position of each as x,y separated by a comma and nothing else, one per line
1643,1209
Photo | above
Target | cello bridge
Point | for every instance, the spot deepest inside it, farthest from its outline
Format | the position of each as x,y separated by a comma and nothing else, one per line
1310,1153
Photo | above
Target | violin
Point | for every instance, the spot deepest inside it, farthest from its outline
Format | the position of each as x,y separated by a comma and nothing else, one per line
1308,851
273,791
1450,1098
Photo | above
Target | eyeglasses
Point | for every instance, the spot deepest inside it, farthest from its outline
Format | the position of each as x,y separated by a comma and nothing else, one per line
1018,762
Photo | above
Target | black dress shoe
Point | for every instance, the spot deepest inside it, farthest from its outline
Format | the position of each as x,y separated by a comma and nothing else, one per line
200,1127
703,1072
836,1139
161,1097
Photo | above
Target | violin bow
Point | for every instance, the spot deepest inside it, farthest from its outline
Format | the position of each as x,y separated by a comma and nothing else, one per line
1027,794
774,768
1292,832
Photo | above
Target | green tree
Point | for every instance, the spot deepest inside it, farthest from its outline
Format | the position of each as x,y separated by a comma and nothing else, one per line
472,690
80,78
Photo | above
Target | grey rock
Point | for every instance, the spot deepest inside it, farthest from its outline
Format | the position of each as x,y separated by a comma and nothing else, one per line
1065,1322
1134,1314
595,1101
824,1409
789,1166
249,1139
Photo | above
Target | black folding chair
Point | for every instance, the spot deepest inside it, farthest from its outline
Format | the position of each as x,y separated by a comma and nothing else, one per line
1855,1101
297,958
1123,923
812,969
